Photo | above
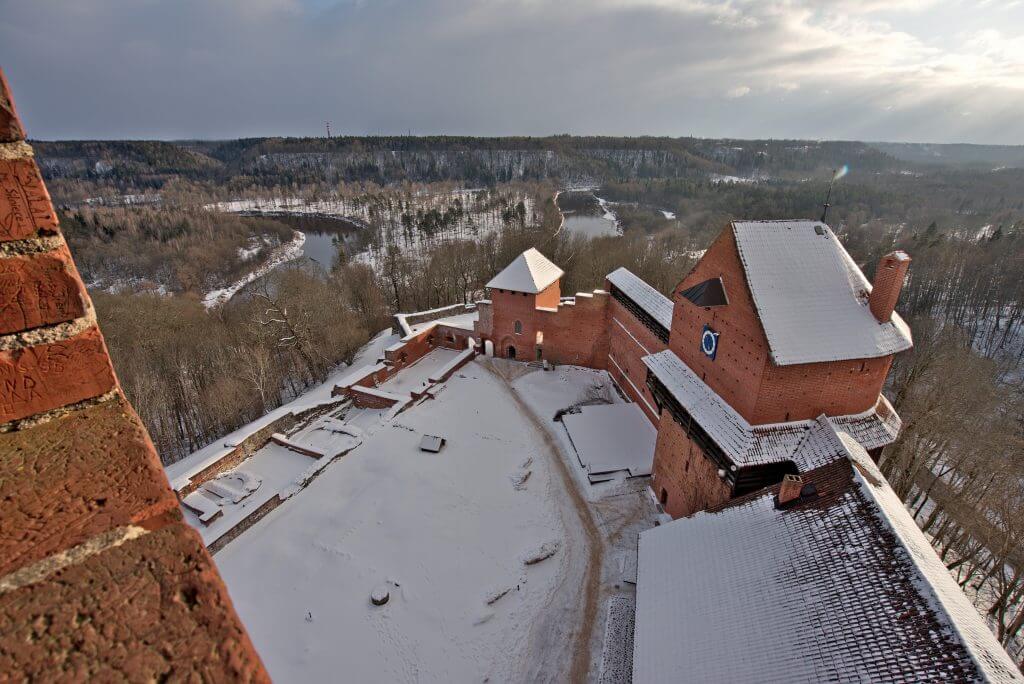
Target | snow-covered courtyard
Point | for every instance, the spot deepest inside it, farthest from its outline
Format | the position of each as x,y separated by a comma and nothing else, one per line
499,558
448,534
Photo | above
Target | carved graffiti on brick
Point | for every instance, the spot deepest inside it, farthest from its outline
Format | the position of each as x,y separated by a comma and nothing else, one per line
24,203
51,375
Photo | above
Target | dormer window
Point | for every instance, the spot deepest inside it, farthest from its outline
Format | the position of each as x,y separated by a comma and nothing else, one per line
709,293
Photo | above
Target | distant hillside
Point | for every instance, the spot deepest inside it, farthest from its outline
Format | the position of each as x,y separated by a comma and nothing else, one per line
990,156
271,162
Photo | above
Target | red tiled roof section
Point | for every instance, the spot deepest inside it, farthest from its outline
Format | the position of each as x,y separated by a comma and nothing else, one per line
99,576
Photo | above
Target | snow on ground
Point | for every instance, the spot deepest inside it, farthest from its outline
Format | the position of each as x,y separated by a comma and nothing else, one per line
417,376
463,321
179,471
276,466
446,533
669,215
621,507
612,437
284,253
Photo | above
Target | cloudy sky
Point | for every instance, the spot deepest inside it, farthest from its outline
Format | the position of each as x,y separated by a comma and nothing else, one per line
903,70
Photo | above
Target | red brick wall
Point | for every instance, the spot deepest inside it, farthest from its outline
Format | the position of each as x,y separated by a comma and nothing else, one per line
682,474
742,372
367,400
509,307
577,334
571,333
807,390
453,338
550,296
100,578
736,372
629,341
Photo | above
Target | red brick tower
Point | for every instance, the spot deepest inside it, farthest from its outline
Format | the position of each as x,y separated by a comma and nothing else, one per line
99,577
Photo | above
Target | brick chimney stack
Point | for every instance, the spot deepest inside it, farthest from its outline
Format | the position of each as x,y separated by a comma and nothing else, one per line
889,277
790,490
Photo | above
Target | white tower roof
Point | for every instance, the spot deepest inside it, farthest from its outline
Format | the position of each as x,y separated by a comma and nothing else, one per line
531,272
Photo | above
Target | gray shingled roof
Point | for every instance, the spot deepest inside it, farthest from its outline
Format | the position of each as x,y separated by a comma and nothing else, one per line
747,444
810,295
646,297
843,587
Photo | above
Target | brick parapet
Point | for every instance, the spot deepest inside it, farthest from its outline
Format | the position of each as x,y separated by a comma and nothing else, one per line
99,576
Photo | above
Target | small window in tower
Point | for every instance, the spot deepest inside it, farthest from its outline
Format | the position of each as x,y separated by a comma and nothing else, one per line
518,327
664,496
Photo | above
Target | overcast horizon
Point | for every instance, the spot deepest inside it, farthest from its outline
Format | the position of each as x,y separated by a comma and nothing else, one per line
900,71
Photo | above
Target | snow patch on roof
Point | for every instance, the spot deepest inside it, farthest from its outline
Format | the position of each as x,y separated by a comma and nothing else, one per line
530,272
646,297
810,295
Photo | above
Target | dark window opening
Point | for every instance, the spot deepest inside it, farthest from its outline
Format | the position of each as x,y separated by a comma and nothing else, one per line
518,327
640,314
664,496
708,293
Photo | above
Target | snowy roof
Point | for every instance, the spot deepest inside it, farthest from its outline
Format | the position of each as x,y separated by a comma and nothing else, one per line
747,444
811,297
646,297
530,272
838,587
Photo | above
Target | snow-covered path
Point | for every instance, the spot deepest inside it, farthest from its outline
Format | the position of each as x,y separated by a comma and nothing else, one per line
552,656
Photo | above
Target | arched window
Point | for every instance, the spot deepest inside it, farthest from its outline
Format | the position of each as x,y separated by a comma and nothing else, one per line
518,327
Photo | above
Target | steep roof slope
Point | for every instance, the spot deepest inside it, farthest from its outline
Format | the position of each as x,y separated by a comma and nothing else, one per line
646,297
842,586
811,297
530,272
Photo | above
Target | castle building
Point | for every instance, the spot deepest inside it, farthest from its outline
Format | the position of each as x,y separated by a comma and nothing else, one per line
791,558
775,327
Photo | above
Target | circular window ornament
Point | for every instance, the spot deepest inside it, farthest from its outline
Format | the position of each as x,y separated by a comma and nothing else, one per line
709,342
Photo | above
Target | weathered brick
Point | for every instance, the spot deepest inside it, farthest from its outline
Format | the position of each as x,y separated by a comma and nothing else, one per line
25,207
152,609
683,478
39,289
567,333
10,125
47,376
73,477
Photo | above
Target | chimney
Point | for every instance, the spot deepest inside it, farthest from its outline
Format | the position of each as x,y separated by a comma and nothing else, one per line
889,277
789,492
